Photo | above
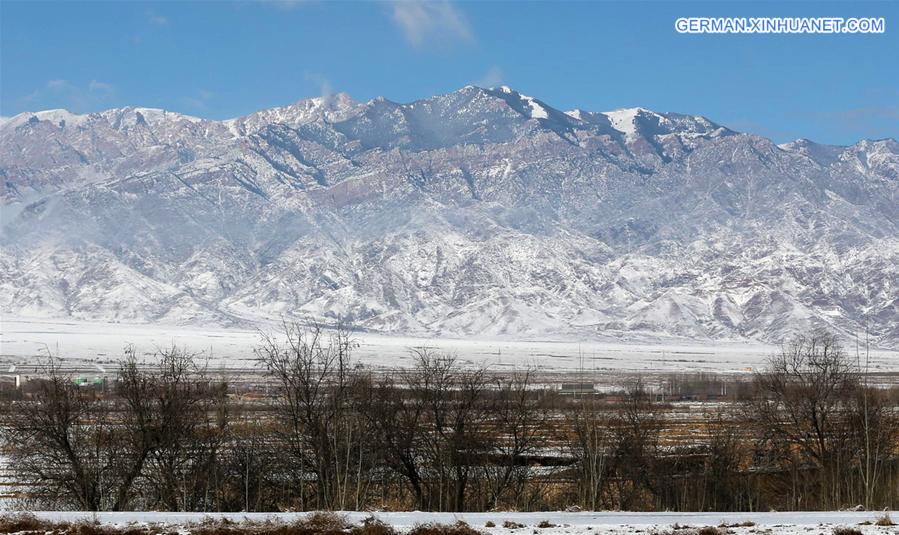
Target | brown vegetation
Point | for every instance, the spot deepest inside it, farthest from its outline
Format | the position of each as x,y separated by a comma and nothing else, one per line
314,524
323,433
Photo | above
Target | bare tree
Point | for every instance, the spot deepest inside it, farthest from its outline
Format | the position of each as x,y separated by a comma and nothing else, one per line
723,488
518,426
397,422
873,435
589,446
635,428
64,443
188,418
429,422
320,429
442,435
453,405
801,401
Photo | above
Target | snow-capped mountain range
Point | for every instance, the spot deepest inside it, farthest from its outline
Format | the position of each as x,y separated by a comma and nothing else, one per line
481,212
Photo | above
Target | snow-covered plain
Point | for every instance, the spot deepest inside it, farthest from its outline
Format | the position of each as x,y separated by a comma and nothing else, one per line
565,523
24,340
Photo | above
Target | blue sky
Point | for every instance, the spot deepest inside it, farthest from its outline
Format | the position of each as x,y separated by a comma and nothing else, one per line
221,59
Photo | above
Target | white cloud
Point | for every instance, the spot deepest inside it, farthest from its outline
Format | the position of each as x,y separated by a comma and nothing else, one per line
199,100
492,78
437,20
285,5
63,93
324,84
101,87
157,20
58,85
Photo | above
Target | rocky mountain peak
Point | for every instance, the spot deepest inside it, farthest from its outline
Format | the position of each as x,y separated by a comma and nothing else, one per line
480,212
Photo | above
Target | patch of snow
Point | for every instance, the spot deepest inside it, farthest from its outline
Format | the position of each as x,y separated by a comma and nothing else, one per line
23,338
580,523
55,116
625,120
537,111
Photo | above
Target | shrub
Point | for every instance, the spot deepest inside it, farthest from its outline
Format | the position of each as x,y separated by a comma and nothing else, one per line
843,530
884,520
744,524
20,522
459,528
373,526
28,524
490,524
545,524
509,524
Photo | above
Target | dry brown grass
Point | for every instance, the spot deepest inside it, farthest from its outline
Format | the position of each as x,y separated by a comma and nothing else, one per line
711,530
373,526
28,524
884,520
843,530
19,522
459,528
312,524
744,524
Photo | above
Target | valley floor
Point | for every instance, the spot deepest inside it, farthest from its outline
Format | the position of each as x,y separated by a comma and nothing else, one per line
22,338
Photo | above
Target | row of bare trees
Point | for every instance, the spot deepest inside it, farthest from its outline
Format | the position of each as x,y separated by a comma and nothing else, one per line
424,435
156,436
822,424
331,434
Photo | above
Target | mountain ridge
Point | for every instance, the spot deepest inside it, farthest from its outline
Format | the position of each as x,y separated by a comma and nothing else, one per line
476,212
346,103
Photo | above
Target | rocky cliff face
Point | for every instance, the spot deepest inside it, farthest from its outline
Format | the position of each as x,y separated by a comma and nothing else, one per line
480,212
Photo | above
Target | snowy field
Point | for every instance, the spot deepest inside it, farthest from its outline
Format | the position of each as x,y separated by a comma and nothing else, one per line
100,345
795,523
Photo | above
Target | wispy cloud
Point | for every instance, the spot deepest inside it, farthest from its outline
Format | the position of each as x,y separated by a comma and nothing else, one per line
492,78
438,21
199,100
284,5
157,20
744,124
324,84
100,87
59,85
864,116
875,121
75,97
839,127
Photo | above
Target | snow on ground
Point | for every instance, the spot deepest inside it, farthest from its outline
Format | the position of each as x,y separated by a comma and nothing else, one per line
22,340
792,523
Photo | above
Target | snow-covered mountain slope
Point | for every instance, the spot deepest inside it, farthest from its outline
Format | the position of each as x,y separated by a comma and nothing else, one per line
478,212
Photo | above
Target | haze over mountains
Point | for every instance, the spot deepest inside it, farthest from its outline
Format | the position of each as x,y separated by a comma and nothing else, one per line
481,212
